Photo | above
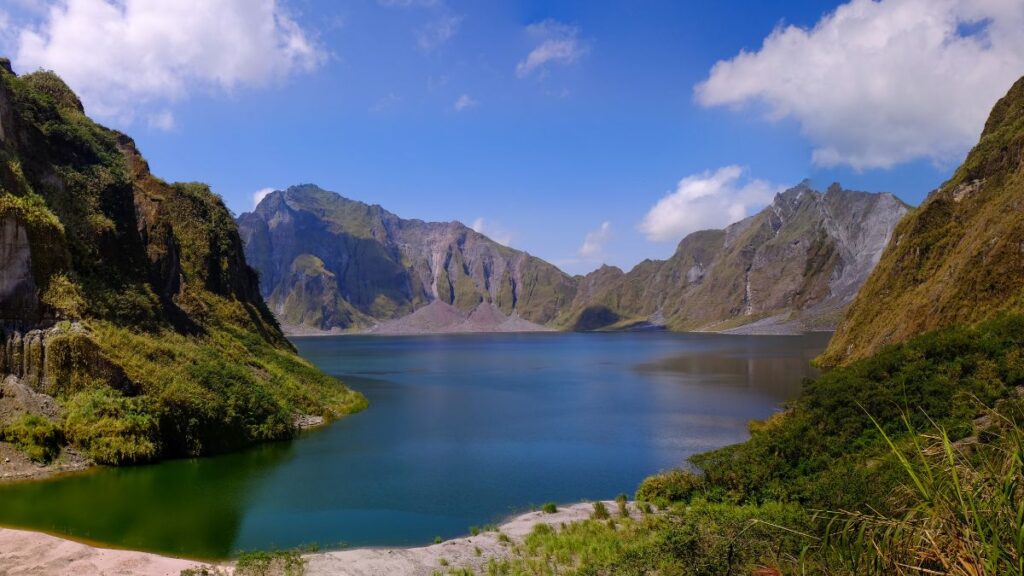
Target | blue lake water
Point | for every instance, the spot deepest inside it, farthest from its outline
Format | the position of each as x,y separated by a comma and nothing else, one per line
461,431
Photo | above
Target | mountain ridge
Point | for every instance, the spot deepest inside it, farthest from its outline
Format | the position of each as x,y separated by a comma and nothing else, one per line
319,286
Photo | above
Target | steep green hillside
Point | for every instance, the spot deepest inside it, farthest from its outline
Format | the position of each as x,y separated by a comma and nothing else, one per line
905,463
128,299
957,258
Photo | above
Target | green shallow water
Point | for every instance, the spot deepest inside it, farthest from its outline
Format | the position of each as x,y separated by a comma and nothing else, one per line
461,431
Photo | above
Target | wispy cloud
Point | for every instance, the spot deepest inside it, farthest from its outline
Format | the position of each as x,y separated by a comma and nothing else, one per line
438,32
706,200
556,43
464,102
259,195
492,230
594,242
162,120
391,100
408,3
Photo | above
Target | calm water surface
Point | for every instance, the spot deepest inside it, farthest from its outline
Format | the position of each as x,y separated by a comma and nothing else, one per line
461,431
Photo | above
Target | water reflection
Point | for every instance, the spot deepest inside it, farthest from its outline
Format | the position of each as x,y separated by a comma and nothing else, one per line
461,431
187,507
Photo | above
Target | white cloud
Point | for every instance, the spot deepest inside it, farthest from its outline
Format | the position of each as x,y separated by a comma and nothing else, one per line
492,230
260,194
464,102
391,100
594,241
437,33
706,200
122,55
162,120
557,43
875,84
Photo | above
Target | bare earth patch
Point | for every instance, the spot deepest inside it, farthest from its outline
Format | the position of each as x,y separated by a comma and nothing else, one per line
15,465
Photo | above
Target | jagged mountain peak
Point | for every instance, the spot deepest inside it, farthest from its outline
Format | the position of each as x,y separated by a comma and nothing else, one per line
801,259
383,266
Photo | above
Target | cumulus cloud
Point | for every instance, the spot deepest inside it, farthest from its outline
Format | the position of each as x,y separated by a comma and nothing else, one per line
438,32
259,195
122,55
595,240
556,43
874,84
492,230
706,200
464,102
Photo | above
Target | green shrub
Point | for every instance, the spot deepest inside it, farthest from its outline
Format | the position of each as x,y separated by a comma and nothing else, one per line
38,437
549,508
600,511
111,428
273,563
622,501
671,486
816,452
64,296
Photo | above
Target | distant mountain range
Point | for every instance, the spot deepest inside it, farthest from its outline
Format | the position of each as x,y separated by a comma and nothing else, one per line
328,263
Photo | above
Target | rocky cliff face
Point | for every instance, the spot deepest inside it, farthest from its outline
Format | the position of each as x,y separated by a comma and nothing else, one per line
328,262
791,267
956,259
126,298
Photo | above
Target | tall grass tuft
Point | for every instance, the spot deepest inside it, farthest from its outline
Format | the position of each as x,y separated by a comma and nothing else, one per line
961,511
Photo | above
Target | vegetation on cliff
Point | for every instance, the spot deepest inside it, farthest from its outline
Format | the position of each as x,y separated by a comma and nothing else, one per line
956,259
908,462
137,311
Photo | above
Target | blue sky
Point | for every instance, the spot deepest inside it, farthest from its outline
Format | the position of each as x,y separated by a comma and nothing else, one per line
436,109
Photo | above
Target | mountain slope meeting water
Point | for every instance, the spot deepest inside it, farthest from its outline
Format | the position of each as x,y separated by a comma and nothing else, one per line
132,326
330,263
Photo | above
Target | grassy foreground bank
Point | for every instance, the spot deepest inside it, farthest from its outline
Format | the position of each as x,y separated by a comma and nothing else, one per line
908,462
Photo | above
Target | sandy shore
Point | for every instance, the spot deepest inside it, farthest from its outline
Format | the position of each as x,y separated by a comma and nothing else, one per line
34,554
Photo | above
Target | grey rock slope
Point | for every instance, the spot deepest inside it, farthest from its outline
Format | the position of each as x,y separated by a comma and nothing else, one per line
327,262
792,267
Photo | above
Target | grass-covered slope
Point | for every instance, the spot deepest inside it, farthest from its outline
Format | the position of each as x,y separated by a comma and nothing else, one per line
909,462
958,257
128,299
